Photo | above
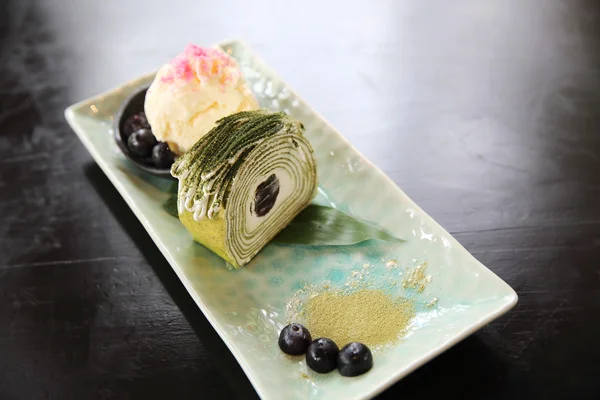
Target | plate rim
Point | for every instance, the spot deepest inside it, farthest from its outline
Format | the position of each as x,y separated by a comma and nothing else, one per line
509,300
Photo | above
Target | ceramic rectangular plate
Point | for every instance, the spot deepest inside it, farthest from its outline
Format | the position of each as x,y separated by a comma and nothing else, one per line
247,306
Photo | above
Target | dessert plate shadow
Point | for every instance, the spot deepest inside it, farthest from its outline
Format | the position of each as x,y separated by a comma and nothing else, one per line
247,307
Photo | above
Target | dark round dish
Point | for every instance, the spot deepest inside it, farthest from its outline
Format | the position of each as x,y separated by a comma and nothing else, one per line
133,105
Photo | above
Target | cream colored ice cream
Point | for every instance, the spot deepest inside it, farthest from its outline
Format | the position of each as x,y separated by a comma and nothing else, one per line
189,94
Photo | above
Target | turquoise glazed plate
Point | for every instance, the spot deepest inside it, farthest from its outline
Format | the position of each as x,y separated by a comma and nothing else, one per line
453,293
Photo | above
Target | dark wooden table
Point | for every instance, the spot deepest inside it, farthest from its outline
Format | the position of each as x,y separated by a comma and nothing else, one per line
487,113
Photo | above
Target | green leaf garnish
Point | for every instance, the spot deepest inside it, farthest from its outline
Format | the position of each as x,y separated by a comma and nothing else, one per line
170,206
326,226
318,225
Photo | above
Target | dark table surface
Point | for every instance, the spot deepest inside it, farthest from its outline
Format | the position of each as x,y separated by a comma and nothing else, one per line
486,113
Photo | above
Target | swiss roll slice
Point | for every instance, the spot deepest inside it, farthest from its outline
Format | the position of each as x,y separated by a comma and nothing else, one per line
244,182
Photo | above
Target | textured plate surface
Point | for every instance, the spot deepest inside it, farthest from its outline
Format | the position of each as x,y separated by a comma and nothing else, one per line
247,306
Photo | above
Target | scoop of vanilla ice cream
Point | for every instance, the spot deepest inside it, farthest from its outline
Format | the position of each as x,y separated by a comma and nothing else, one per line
193,91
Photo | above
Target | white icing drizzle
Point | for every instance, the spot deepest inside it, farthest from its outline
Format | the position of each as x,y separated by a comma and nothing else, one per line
200,207
213,210
180,199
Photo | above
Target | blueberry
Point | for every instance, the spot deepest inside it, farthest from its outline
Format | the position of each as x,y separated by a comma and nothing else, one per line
140,142
294,339
135,123
322,354
162,156
354,359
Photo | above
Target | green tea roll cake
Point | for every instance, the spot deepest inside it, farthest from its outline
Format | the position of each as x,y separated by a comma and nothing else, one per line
244,182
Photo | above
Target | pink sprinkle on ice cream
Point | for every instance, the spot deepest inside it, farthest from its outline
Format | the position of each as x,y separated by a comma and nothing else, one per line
195,51
190,93
196,62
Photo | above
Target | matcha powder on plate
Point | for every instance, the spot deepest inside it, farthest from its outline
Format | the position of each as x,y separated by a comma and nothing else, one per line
368,316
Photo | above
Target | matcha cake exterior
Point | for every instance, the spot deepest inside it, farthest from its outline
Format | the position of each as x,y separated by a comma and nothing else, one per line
244,182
